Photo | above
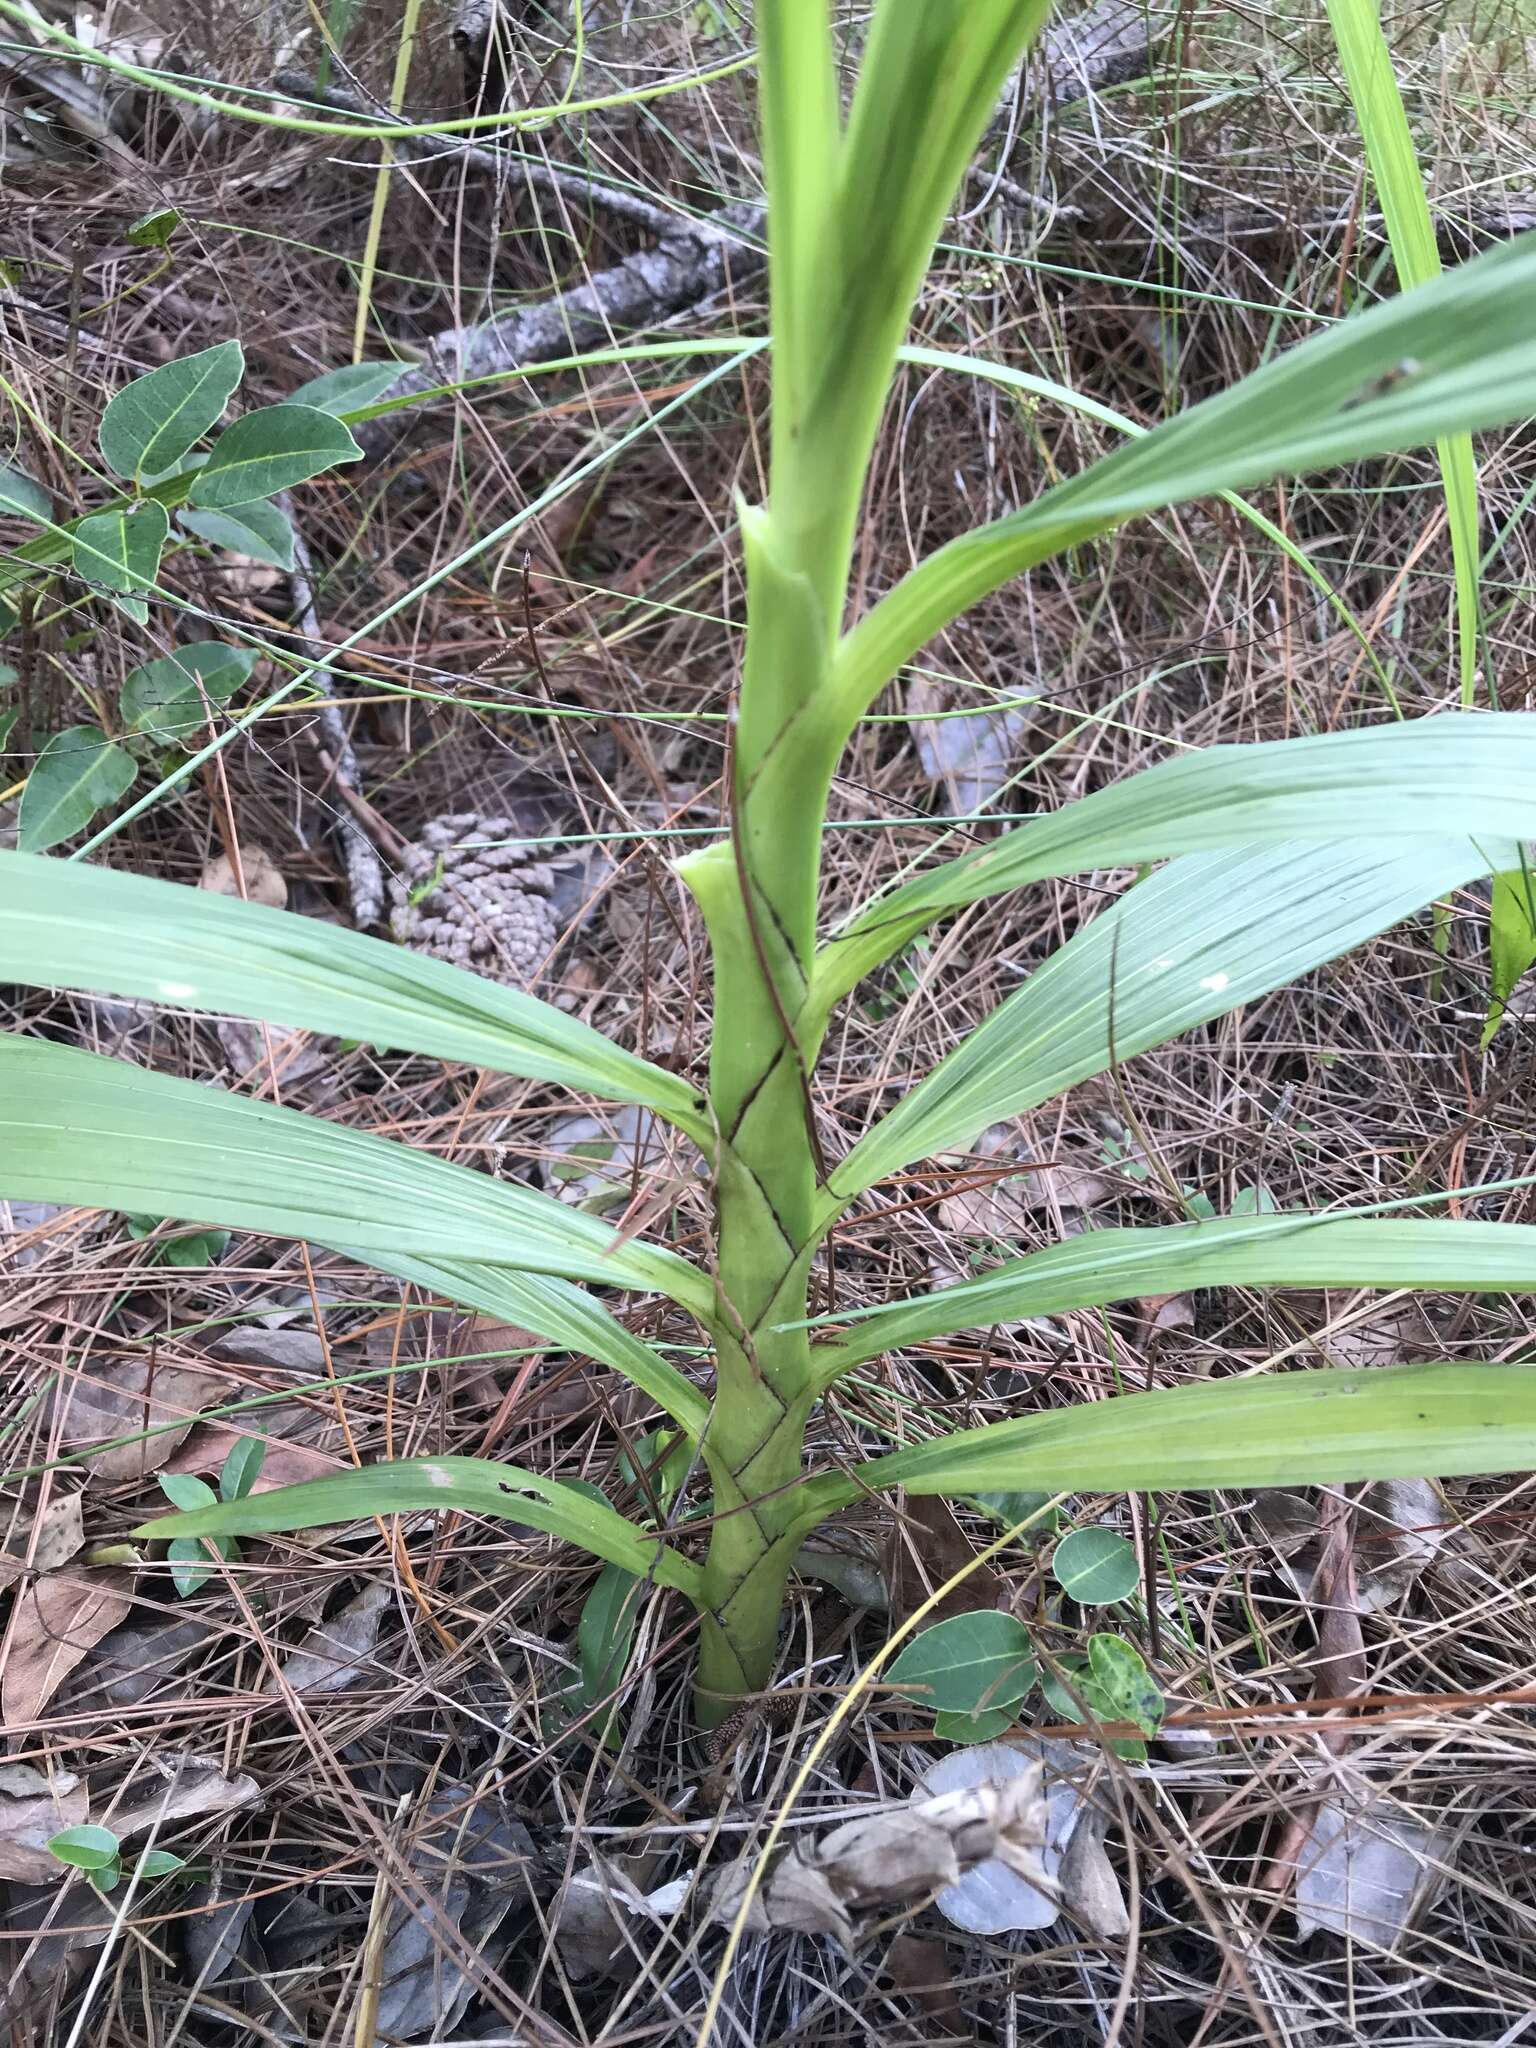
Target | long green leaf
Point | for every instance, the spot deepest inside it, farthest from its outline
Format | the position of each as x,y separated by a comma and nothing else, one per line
567,1316
1393,785
1289,1429
472,1486
1205,934
1453,356
78,1128
1411,232
66,925
1102,1266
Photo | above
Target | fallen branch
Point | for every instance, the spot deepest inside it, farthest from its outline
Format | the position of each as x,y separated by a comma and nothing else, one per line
365,872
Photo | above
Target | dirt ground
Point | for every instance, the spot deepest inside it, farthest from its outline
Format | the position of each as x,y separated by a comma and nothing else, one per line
355,1737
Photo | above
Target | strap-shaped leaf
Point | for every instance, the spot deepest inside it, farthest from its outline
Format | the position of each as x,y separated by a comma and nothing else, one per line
66,925
1102,1266
472,1486
1453,356
567,1316
1392,784
78,1128
1288,1429
1205,934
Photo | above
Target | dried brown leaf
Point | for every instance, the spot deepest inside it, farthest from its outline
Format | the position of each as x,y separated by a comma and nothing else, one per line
34,1805
1365,1869
338,1653
897,1854
56,1533
54,1623
264,881
125,1398
284,1463
193,1786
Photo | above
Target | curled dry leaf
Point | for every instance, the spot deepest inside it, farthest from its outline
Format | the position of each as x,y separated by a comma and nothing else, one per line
192,1787
594,1905
136,1414
55,1622
1075,1875
1004,1204
1399,1531
896,1855
263,878
338,1653
34,1805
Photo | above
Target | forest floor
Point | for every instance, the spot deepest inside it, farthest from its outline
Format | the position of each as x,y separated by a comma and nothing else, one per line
354,1736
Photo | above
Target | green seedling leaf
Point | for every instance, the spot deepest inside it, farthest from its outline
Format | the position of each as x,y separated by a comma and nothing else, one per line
1010,1509
165,698
190,1565
120,551
21,495
261,531
348,389
242,1468
984,1726
154,231
152,422
271,450
1120,1685
185,1490
969,1664
84,1847
159,1863
1096,1567
604,1636
1511,940
76,775
656,1464
194,1248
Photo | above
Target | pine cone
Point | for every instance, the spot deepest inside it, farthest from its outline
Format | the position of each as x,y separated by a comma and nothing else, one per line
462,897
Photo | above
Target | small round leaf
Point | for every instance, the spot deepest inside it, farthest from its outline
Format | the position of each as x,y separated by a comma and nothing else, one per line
971,1663
1096,1566
85,1847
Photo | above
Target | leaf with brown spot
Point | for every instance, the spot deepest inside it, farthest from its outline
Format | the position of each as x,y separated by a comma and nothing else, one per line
54,1623
55,1535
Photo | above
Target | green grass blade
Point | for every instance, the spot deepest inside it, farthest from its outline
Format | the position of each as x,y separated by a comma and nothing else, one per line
66,925
1470,774
1399,184
1205,934
472,1486
1453,356
1103,1266
78,1128
1289,1429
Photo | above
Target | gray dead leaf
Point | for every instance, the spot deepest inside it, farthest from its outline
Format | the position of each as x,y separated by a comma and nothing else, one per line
338,1653
471,1861
1400,1529
897,1855
18,1220
124,1398
996,1898
1365,1869
595,1903
126,1666
857,1577
969,754
1091,1893
263,878
34,1805
54,1537
1004,1205
193,1786
55,1622
299,1351
304,1067
592,1162
213,1928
